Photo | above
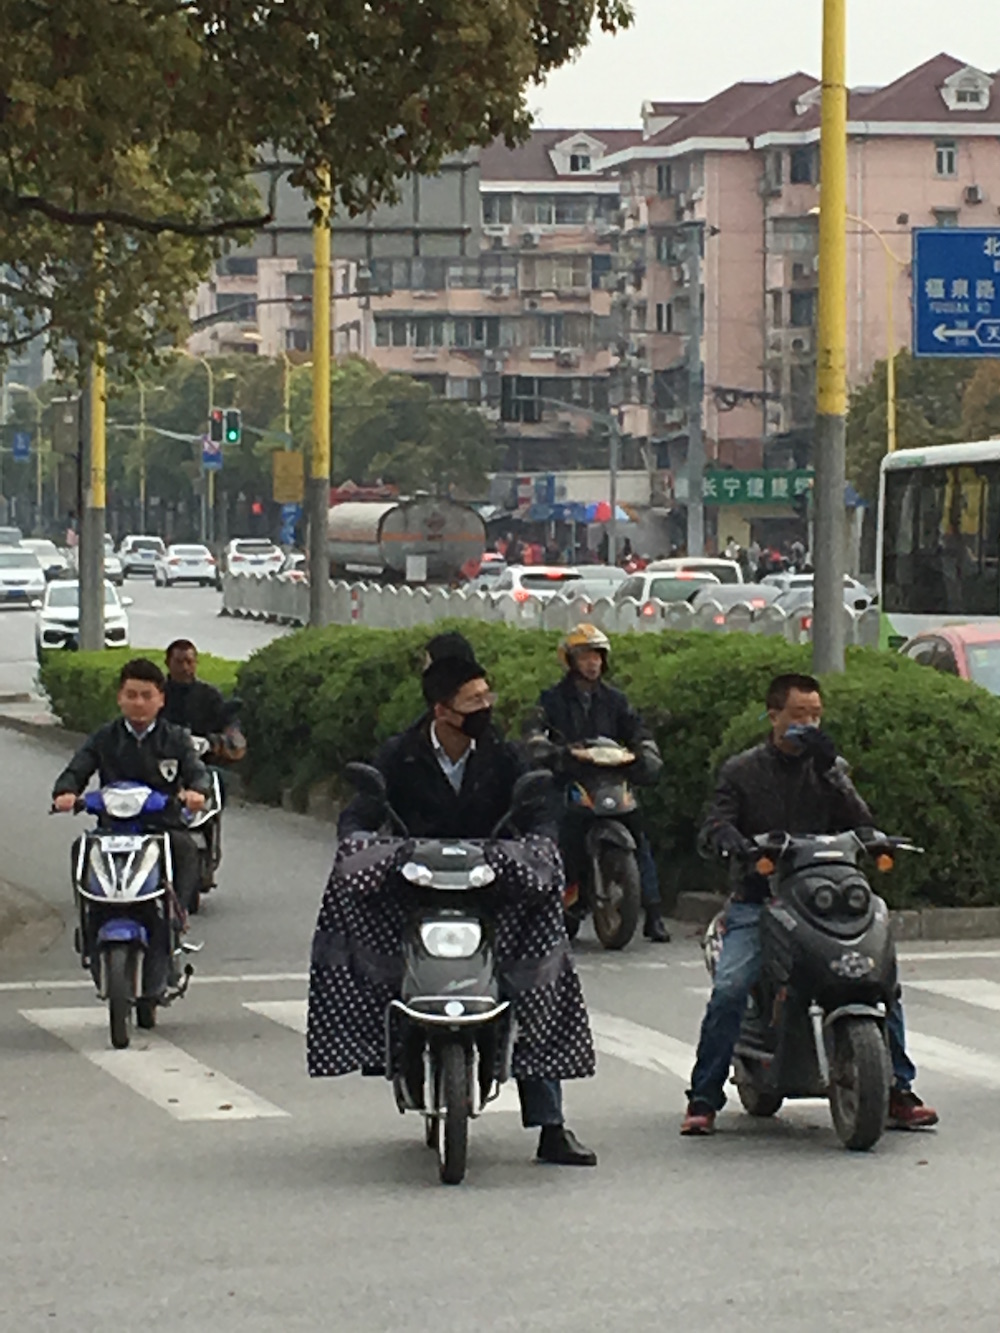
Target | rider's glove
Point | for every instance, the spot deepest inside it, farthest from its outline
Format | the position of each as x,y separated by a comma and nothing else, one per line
729,841
648,762
821,749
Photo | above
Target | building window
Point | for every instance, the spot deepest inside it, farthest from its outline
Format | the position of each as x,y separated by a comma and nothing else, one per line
802,310
946,217
572,210
497,208
664,182
579,162
428,332
802,166
777,312
237,266
776,168
669,250
239,307
969,96
946,158
550,331
664,317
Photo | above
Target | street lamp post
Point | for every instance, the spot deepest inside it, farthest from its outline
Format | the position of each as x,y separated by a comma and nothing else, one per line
33,395
318,493
157,388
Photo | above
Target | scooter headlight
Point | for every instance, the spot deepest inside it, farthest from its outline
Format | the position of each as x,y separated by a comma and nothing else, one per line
451,939
858,899
823,900
418,874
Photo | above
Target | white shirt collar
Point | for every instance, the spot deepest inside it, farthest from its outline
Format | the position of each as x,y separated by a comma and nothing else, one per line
139,735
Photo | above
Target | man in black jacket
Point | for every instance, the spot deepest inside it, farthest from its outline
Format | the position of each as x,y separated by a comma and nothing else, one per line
794,782
451,776
140,746
193,703
581,707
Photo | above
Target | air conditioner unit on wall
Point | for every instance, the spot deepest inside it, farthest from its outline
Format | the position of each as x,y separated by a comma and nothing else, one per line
567,356
974,194
530,239
499,291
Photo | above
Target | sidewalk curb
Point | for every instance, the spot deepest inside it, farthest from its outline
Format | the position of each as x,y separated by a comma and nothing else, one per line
926,923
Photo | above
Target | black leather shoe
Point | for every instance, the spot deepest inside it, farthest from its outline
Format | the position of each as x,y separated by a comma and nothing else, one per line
655,928
561,1147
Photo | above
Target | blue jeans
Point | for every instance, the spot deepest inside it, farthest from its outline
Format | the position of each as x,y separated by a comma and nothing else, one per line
649,878
541,1102
737,971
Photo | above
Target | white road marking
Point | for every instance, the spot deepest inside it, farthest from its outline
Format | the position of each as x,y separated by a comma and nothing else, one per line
972,990
647,1048
947,1057
947,955
155,1069
222,979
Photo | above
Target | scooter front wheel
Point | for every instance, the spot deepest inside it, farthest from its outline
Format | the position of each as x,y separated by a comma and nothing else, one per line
859,1083
617,914
454,1109
119,965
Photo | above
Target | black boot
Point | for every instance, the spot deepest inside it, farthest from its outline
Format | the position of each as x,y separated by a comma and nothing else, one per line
655,928
561,1147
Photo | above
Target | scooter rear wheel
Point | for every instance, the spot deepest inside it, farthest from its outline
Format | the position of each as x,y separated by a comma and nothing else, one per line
859,1083
145,1014
119,965
615,921
455,1109
756,1101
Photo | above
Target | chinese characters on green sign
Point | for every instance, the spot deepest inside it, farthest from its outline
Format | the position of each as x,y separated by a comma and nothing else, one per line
760,488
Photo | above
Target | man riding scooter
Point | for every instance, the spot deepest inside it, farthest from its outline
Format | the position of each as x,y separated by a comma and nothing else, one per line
582,707
794,783
451,776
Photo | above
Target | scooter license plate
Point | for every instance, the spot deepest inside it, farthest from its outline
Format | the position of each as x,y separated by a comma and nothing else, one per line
121,843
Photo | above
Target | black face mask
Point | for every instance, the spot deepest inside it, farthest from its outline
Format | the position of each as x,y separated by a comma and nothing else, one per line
475,725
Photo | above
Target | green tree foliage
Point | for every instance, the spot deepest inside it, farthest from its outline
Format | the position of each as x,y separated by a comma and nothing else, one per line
981,403
929,406
145,117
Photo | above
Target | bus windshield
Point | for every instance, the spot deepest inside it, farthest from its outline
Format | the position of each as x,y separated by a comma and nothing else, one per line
941,540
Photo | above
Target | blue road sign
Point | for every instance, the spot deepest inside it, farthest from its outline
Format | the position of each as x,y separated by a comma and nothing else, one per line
211,455
290,515
956,291
21,446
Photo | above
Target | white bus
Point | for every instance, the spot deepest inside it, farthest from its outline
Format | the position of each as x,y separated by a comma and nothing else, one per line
938,559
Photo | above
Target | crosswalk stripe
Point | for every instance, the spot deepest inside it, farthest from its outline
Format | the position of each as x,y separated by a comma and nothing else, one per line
948,1057
645,1047
155,1069
972,990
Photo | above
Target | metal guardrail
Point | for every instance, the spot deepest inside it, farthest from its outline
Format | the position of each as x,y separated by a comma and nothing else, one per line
270,599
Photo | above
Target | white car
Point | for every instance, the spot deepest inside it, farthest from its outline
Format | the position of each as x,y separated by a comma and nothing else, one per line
113,567
253,555
22,578
54,562
294,568
542,582
138,554
186,564
57,624
726,571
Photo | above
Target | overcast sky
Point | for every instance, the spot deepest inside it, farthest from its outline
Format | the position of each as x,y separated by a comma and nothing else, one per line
690,49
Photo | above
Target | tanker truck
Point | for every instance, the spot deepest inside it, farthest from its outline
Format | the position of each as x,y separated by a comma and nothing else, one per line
422,540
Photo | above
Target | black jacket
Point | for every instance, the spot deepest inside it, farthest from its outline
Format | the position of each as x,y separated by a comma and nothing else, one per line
164,760
568,717
424,798
764,790
198,706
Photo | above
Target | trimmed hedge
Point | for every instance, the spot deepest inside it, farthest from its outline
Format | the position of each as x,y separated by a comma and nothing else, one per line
925,747
83,687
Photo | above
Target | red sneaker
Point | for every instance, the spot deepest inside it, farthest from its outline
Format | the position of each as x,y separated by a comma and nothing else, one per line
699,1121
907,1111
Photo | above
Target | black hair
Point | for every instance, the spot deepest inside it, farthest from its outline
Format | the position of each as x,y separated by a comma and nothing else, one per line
781,687
444,678
451,644
141,668
180,646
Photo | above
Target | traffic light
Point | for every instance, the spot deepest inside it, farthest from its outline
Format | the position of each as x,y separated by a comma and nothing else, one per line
234,425
216,425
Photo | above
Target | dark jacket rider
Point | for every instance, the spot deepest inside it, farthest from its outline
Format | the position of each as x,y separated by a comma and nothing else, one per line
451,776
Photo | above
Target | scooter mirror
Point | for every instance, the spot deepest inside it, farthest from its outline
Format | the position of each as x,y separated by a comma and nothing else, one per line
529,789
367,779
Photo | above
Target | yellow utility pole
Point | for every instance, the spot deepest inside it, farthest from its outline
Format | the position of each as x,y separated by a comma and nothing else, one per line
318,492
831,362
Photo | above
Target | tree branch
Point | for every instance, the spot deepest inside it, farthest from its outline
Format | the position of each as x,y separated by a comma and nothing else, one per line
22,340
67,217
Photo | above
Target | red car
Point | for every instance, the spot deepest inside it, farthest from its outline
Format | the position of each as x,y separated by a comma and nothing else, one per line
970,651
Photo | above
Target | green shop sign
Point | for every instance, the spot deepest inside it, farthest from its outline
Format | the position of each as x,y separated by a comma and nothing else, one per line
756,488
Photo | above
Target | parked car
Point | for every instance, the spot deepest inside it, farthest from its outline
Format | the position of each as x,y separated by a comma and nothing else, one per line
253,555
55,563
651,587
294,568
138,554
971,651
21,576
10,536
726,571
791,582
186,564
794,600
727,595
57,624
522,582
599,581
114,570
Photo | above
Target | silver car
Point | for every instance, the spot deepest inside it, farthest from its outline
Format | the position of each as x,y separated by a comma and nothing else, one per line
138,554
186,564
22,578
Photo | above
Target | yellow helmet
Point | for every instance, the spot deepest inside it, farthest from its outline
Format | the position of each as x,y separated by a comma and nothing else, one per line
583,636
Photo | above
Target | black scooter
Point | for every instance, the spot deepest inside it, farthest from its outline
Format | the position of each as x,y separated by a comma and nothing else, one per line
815,1022
449,1035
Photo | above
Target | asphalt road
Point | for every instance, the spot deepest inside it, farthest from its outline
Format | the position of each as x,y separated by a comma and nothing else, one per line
201,1181
157,616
